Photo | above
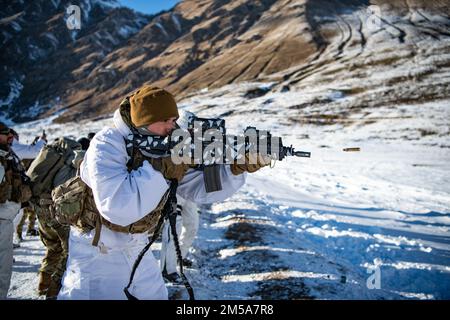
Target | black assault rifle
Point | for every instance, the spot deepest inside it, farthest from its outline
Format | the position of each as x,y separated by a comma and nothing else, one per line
205,146
217,147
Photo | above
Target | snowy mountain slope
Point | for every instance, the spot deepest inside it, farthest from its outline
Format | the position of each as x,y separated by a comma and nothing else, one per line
312,228
40,55
212,43
386,206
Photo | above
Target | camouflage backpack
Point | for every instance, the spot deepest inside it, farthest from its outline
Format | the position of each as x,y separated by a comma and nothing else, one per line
73,205
48,163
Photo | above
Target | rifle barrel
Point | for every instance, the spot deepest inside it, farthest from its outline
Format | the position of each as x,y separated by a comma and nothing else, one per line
302,154
352,149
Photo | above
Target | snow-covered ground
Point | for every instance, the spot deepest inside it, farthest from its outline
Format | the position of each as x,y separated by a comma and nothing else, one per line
318,228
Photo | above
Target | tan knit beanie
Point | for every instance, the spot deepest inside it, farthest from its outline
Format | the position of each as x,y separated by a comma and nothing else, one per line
151,104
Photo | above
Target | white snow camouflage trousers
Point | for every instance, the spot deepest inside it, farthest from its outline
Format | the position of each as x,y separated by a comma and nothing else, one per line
8,211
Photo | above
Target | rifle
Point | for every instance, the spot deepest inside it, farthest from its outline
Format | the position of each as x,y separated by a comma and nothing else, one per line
217,147
205,146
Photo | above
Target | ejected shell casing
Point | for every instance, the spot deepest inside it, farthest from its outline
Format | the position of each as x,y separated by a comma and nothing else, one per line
352,149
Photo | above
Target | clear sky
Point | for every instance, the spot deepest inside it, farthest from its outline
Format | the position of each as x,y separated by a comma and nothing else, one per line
149,6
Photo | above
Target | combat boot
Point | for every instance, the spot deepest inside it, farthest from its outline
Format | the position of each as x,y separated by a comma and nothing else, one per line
45,280
32,233
187,263
53,290
173,278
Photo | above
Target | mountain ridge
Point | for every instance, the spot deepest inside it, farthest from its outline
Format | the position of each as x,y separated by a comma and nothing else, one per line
208,44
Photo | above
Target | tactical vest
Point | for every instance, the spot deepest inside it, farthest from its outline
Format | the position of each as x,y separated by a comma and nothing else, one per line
13,187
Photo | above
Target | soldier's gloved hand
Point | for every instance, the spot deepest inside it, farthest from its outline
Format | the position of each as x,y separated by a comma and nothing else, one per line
252,164
169,169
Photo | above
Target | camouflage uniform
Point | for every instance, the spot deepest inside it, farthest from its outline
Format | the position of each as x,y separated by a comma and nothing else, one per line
29,213
55,239
54,235
13,191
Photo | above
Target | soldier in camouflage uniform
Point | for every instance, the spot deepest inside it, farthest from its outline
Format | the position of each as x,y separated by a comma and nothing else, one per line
55,239
28,213
14,189
52,234
27,152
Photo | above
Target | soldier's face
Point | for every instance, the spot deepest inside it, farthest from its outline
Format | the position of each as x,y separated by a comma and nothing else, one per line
6,139
163,128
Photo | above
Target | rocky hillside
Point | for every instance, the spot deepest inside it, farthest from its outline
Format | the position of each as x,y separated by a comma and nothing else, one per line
291,44
42,59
